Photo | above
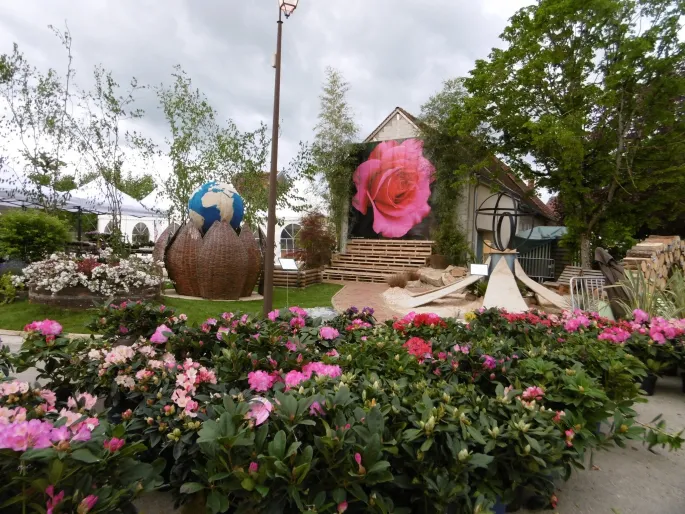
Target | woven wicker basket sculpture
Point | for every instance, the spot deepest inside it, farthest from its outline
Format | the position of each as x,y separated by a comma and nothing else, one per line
254,261
163,242
222,263
181,260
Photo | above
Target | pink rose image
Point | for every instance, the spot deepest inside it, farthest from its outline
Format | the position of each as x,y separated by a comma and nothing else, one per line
395,182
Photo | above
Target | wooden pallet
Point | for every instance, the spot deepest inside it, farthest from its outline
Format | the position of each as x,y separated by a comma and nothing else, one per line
405,262
302,278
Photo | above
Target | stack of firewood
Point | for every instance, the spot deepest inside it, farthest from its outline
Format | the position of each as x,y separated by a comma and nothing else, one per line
655,256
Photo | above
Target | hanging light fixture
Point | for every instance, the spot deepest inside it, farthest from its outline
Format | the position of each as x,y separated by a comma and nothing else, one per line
288,6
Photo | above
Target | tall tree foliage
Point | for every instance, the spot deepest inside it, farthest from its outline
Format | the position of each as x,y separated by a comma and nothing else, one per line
592,91
453,161
333,151
35,126
201,148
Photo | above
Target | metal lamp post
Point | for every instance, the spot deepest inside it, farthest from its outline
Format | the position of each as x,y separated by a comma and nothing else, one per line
285,7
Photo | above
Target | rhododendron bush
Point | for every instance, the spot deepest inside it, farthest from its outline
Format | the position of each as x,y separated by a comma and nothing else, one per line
57,457
420,414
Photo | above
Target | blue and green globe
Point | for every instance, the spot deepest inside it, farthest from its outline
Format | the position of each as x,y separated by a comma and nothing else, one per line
216,201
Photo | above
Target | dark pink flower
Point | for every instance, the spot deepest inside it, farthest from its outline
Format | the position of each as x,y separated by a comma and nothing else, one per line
342,507
114,444
87,504
315,409
395,183
273,315
328,333
533,393
161,335
123,329
260,381
254,467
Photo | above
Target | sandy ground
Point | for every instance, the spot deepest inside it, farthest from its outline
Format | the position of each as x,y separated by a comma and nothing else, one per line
632,480
451,306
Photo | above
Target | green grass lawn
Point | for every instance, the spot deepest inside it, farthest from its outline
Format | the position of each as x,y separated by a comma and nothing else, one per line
16,315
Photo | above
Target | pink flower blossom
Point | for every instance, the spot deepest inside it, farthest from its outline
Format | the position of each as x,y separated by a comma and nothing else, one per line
49,397
328,333
54,499
87,400
123,329
221,332
315,409
295,378
260,381
114,444
569,437
299,311
227,316
160,336
273,315
342,507
49,328
328,370
533,393
20,436
254,467
358,459
291,346
489,362
557,417
332,353
87,504
296,323
259,410
640,316
183,317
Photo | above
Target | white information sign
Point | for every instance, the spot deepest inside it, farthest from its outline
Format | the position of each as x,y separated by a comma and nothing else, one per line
288,264
479,269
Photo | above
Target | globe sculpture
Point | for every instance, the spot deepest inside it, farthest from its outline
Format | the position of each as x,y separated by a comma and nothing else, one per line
216,201
210,256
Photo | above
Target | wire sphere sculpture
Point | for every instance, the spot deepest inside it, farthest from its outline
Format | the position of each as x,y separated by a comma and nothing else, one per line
505,219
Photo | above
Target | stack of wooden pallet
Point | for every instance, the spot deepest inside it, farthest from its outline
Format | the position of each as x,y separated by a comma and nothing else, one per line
655,256
374,260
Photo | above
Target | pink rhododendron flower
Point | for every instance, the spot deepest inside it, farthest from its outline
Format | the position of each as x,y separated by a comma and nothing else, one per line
13,387
640,316
295,378
614,334
533,393
123,329
20,436
87,504
296,323
328,333
54,499
342,507
221,332
569,437
49,397
329,370
254,467
557,417
114,444
332,353
273,315
299,311
489,362
160,337
315,409
87,400
291,346
260,381
418,348
259,410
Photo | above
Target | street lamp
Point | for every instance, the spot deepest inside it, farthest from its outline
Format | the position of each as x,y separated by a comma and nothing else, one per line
286,7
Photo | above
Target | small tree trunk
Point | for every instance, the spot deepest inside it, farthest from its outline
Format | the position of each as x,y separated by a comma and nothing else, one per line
585,251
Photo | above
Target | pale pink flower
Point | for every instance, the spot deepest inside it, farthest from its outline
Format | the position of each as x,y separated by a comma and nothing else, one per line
273,315
259,410
328,333
315,409
533,393
49,396
161,335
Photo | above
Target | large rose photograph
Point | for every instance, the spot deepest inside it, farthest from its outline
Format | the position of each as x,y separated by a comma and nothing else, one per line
393,185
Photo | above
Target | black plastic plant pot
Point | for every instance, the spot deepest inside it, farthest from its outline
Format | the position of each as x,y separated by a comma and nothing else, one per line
649,384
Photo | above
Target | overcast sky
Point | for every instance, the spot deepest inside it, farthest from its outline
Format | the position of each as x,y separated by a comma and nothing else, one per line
393,52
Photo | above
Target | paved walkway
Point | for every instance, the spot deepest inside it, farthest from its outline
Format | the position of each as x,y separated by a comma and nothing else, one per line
364,294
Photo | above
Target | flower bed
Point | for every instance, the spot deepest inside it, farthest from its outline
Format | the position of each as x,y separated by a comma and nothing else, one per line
417,415
68,281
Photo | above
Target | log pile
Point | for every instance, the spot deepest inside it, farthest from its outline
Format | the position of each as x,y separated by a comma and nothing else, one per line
655,256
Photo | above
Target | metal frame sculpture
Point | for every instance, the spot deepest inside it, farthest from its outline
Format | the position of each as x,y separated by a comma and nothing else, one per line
499,215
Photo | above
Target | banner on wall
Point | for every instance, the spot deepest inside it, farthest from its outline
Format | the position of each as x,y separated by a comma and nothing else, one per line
392,192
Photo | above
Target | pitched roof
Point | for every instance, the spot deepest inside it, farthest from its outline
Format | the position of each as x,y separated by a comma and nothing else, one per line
397,110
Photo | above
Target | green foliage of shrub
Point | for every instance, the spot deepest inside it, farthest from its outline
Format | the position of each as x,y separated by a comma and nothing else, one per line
31,235
315,240
415,415
8,291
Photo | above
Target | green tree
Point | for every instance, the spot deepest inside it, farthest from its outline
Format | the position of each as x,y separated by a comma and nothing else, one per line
333,149
36,115
200,148
453,161
592,92
31,235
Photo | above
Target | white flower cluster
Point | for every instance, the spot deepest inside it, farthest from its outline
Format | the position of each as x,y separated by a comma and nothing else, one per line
61,271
